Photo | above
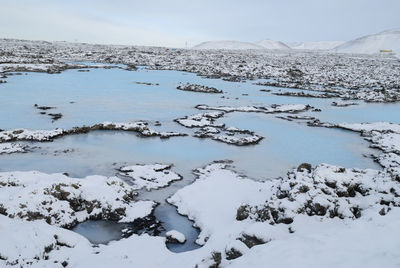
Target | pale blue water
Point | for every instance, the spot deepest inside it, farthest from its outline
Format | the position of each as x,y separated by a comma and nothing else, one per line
111,95
101,231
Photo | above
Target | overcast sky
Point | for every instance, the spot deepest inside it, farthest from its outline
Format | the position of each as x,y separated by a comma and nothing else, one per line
173,23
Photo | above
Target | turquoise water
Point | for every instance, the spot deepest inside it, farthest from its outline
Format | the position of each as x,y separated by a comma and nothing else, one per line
99,95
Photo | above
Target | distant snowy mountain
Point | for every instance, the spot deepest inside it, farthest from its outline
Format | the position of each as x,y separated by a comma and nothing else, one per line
370,44
319,45
271,44
227,45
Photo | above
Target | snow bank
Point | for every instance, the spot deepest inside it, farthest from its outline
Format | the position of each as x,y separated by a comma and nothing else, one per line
27,243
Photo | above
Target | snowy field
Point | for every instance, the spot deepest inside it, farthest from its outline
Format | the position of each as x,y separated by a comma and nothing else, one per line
117,156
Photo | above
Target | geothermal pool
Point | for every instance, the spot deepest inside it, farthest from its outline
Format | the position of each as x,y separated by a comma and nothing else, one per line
118,95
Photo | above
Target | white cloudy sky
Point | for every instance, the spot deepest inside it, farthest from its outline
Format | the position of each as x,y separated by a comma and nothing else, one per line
173,23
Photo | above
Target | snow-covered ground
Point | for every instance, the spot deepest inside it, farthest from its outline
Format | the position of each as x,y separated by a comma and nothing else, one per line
324,215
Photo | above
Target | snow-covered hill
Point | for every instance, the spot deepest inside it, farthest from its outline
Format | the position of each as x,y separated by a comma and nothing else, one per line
318,45
272,44
370,44
226,44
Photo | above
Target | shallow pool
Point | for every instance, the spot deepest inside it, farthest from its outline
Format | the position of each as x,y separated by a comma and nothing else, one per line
115,94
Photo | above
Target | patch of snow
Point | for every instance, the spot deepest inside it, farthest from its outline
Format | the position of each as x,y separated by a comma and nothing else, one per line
150,176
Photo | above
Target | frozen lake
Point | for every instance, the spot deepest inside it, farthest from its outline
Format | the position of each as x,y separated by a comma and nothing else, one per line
87,98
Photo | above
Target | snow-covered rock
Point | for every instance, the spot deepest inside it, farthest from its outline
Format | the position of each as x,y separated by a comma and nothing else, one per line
30,135
201,120
9,148
327,191
198,88
343,103
283,108
248,139
150,176
65,201
217,131
173,236
48,135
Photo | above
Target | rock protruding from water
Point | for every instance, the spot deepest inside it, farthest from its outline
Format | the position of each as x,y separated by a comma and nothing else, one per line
175,237
198,88
151,176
